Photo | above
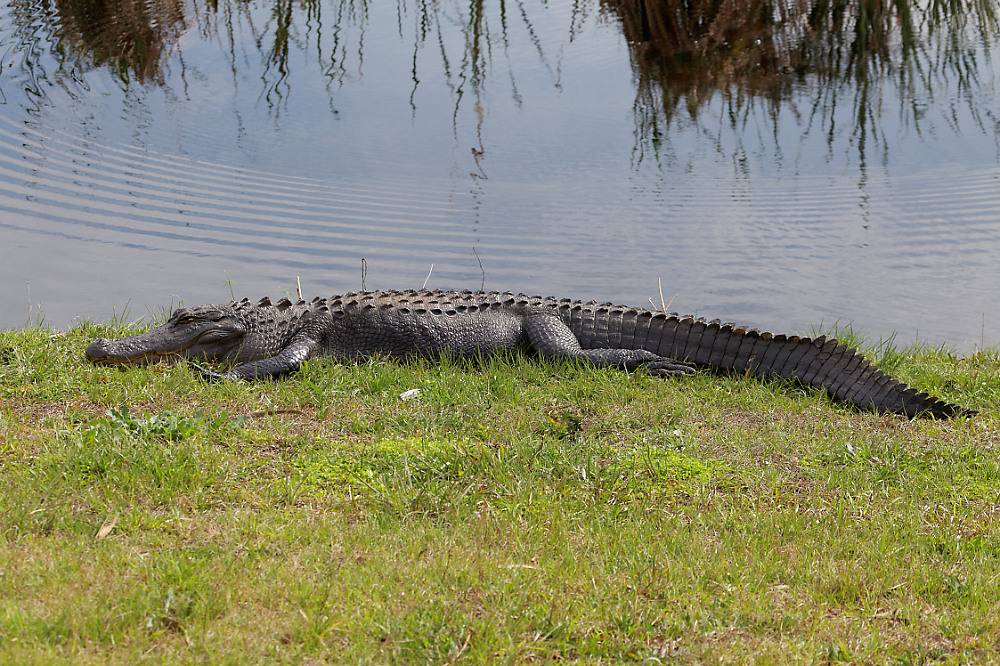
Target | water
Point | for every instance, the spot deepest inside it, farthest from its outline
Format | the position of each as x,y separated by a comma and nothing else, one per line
231,147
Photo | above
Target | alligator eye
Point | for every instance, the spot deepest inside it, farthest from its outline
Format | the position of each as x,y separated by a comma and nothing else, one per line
184,316
181,316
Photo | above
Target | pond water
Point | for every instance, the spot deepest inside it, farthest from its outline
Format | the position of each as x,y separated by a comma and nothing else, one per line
792,174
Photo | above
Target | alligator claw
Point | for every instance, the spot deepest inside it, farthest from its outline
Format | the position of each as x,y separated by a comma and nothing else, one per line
668,367
207,374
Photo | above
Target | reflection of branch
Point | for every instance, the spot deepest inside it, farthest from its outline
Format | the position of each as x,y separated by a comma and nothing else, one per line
277,57
466,76
284,35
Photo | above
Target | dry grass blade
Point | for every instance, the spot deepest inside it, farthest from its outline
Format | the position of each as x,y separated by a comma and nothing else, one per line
106,527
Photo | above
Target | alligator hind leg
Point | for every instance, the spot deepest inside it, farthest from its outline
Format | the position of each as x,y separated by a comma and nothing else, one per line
548,335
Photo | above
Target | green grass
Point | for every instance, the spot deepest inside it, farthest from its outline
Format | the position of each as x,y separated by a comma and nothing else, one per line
517,511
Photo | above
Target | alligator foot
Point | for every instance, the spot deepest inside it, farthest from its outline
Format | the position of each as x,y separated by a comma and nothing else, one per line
207,374
668,367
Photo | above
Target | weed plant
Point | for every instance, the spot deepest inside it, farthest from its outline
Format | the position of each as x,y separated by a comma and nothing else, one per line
509,511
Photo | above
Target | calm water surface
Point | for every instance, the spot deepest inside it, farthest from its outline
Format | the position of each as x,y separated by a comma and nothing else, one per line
198,148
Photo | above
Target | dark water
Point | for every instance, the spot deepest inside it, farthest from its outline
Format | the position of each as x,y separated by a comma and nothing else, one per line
790,174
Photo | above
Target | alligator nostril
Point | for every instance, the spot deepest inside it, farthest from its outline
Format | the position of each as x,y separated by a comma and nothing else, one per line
95,348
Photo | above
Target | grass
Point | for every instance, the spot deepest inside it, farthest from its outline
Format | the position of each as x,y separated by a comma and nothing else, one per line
517,511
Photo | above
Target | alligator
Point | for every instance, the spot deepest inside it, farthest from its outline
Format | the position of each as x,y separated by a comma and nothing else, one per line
265,339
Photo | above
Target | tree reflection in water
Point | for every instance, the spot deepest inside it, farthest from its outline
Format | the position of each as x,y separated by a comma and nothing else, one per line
686,52
752,56
132,37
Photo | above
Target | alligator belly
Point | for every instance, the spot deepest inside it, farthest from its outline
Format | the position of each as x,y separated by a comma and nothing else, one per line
406,334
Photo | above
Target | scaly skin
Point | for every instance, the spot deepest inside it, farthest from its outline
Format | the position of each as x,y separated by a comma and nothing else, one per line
264,340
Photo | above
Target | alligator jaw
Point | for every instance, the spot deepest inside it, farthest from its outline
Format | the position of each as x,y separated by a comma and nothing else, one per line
129,351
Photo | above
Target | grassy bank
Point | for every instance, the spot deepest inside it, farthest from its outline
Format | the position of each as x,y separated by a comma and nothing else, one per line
515,512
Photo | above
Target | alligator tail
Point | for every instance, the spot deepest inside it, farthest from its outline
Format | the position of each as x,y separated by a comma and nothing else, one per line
818,362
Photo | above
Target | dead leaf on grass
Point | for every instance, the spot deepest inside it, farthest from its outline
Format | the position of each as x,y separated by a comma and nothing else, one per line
109,524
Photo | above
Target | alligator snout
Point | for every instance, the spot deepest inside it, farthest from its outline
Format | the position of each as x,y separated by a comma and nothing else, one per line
97,350
113,352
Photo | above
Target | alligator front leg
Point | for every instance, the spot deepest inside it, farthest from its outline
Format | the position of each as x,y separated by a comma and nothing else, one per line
550,337
289,360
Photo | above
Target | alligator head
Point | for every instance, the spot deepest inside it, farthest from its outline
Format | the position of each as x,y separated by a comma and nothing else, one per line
213,332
